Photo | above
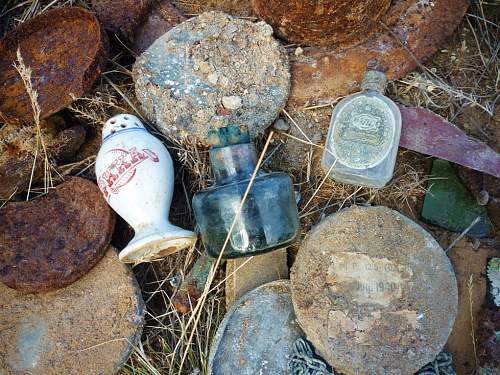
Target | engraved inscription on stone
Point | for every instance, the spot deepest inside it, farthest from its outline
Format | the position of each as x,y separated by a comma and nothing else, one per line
367,280
363,133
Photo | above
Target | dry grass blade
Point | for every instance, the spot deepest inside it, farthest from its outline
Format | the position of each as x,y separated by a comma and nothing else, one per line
25,72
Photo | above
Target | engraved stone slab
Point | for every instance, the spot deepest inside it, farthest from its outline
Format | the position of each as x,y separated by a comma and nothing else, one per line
89,327
211,71
258,333
374,292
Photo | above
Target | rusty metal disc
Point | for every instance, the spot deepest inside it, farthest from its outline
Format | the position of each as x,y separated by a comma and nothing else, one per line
374,292
416,29
52,241
18,148
325,22
161,18
64,48
122,18
239,8
258,333
89,327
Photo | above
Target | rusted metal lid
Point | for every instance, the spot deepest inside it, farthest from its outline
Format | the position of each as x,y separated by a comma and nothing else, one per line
239,8
122,17
64,48
414,30
89,327
52,241
374,292
258,333
323,23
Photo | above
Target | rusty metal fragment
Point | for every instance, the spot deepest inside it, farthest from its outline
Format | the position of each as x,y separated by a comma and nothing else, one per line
239,8
425,132
161,18
418,30
323,23
19,147
64,47
121,17
193,284
50,242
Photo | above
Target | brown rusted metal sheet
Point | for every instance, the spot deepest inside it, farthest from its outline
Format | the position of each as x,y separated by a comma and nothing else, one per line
239,8
18,149
121,17
161,18
50,242
64,47
324,22
320,75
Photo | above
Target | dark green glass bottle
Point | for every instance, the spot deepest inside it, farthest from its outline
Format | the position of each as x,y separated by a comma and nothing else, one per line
269,217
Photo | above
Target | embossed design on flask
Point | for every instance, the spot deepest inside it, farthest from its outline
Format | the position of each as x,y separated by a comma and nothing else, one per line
136,176
364,135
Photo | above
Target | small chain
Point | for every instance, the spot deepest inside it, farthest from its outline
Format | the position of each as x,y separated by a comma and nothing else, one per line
305,362
442,365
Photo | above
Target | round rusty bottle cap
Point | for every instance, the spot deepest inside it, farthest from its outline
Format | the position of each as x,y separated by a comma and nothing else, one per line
89,327
374,292
52,241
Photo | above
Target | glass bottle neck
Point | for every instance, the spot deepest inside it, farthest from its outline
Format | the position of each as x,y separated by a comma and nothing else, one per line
233,163
374,81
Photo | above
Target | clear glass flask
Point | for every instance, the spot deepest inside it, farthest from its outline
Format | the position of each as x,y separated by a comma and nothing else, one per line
363,138
269,217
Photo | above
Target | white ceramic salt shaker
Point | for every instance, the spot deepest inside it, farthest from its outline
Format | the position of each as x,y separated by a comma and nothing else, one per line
136,175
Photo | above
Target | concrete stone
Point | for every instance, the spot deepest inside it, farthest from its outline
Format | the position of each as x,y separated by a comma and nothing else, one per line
182,79
245,274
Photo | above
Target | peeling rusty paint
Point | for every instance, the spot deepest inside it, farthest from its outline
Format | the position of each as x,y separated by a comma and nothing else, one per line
325,22
320,75
65,48
18,147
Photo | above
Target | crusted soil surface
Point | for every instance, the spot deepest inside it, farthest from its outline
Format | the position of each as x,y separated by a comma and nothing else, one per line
210,71
88,328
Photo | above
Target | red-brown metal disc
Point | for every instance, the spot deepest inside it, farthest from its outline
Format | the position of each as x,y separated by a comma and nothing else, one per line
323,22
64,48
418,30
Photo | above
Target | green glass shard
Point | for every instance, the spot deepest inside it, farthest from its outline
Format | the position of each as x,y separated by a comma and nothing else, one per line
449,204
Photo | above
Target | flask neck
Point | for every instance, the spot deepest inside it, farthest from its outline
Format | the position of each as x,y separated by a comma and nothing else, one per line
375,81
233,163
